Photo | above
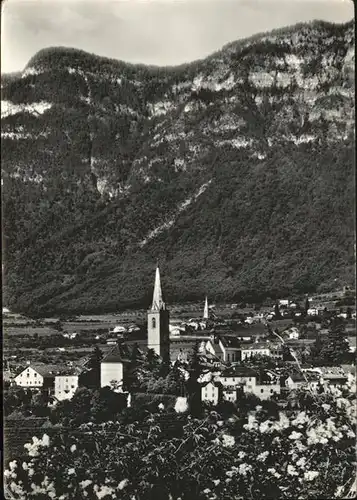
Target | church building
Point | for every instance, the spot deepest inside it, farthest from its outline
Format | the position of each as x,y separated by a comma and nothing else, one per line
158,323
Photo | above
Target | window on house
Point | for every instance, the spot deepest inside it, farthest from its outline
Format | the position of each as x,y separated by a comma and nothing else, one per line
234,379
28,375
249,379
271,391
72,386
35,374
153,322
261,390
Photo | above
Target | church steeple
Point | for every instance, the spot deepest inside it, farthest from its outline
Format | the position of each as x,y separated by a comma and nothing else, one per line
158,322
205,311
157,303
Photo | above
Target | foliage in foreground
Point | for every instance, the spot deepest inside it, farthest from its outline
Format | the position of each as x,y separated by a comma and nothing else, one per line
300,454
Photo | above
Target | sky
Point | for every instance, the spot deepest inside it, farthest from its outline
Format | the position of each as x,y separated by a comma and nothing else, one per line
160,32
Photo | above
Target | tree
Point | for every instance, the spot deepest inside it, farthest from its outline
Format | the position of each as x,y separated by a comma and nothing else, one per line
95,358
192,385
335,349
277,311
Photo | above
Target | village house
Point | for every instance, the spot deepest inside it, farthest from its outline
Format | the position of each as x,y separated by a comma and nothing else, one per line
232,382
256,349
111,341
112,366
224,348
231,393
211,392
66,385
284,302
312,311
70,336
38,376
332,379
263,391
308,379
230,347
245,338
291,333
237,377
275,350
295,381
119,329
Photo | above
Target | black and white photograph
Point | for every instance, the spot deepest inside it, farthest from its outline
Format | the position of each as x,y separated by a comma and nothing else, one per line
178,249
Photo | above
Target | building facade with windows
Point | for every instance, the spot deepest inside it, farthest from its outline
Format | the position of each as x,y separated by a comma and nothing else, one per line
65,386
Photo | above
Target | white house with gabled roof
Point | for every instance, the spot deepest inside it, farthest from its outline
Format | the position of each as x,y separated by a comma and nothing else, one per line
112,366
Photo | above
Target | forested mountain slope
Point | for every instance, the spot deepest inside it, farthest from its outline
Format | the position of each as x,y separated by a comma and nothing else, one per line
236,171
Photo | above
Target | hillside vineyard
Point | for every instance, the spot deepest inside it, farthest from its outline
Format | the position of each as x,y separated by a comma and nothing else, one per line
236,171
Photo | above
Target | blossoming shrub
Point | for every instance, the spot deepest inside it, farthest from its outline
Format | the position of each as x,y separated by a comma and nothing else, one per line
302,454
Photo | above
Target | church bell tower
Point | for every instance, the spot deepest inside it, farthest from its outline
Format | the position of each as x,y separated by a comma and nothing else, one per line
158,323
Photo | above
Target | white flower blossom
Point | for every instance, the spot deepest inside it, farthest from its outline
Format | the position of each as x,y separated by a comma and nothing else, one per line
73,448
263,456
181,405
310,475
265,426
252,423
207,491
301,418
301,447
292,471
104,491
123,484
13,465
241,455
301,462
84,484
216,482
25,466
284,422
228,441
244,469
295,435
71,471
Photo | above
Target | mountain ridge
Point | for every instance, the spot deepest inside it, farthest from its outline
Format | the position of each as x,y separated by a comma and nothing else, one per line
124,167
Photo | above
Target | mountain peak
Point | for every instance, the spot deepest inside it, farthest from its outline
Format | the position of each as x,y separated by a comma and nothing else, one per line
235,170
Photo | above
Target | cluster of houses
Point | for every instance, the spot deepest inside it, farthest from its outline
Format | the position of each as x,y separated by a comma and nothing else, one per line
231,383
61,382
225,379
231,349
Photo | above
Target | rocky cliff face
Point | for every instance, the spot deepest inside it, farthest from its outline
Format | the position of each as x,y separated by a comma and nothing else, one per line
235,171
